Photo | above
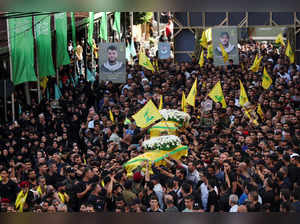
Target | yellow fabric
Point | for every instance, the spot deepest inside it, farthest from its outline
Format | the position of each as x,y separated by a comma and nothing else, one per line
256,64
20,201
161,103
0,178
145,61
43,82
208,34
95,49
210,52
183,102
203,40
224,53
155,64
204,84
252,119
201,59
171,127
192,94
266,79
260,112
157,156
243,95
289,52
62,197
39,190
111,116
147,115
279,40
216,94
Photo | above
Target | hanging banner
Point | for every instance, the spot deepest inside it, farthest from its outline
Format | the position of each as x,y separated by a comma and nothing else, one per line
44,47
112,62
228,37
164,50
61,27
21,50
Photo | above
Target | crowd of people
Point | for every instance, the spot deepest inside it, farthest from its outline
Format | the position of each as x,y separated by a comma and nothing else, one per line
69,157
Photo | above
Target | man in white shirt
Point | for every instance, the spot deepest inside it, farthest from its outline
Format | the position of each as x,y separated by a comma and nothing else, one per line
233,202
204,191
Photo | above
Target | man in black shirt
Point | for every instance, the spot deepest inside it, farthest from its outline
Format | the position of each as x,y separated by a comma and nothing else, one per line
8,188
84,187
97,198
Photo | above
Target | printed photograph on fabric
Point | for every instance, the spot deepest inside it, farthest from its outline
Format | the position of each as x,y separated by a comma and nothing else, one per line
164,50
112,62
228,37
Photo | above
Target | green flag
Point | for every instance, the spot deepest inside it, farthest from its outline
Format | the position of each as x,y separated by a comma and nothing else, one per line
62,55
90,76
103,27
91,29
44,47
73,30
57,92
21,50
132,48
117,23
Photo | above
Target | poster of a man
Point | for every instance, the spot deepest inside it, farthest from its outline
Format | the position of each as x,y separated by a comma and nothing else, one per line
228,37
112,62
225,41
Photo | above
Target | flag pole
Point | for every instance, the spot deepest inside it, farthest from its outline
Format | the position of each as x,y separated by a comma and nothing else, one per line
57,76
11,71
131,26
36,63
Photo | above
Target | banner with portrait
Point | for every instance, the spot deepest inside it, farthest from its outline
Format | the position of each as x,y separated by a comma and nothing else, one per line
228,37
164,50
112,62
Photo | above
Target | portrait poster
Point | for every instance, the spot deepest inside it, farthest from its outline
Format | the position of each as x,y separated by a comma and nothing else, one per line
112,62
228,37
164,50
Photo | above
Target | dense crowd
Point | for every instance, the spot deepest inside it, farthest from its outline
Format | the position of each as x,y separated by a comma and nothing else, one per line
69,157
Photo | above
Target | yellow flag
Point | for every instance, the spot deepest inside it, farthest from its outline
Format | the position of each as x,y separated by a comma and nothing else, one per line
256,64
201,59
279,40
210,52
43,82
20,201
289,52
266,79
192,94
147,115
208,34
155,63
161,103
145,61
203,41
252,120
243,95
203,84
224,53
216,94
111,116
260,112
183,102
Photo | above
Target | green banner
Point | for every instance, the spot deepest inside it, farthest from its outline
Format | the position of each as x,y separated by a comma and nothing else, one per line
61,26
73,30
91,29
22,50
117,23
103,27
44,47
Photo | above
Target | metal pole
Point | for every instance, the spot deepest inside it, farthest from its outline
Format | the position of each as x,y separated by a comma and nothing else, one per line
158,21
36,64
131,26
11,75
57,75
5,101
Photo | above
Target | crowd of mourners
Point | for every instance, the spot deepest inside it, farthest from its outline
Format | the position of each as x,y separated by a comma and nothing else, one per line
69,157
